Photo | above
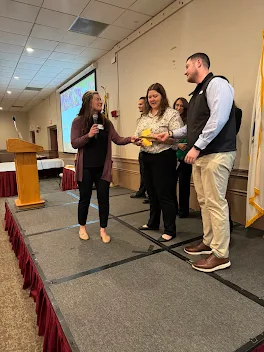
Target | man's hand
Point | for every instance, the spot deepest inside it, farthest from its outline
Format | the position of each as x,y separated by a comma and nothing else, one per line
182,146
162,137
192,156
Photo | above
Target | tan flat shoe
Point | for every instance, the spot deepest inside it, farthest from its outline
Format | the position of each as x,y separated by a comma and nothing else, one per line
84,236
105,238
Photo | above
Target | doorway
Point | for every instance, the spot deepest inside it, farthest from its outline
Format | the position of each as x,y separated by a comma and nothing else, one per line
33,137
53,138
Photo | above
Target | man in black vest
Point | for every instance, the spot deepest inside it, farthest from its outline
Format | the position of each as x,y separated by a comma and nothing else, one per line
211,133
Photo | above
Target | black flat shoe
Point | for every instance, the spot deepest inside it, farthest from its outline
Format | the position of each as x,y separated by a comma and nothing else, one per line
136,195
146,228
161,239
146,201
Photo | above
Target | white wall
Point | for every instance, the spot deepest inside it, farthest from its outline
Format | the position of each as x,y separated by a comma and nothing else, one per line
46,114
7,129
230,32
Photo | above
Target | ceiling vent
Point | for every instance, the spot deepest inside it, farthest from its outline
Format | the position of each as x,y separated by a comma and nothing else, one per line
84,26
17,106
33,88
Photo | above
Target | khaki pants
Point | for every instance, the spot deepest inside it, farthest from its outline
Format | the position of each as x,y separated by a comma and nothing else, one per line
210,175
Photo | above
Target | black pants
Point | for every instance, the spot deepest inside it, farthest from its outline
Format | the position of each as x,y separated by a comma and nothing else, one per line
183,175
160,181
142,189
93,175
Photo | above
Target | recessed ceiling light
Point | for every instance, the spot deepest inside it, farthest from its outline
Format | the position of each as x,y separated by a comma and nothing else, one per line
30,50
16,77
1,108
8,91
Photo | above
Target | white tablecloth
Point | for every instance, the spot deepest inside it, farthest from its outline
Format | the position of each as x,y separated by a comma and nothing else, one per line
42,165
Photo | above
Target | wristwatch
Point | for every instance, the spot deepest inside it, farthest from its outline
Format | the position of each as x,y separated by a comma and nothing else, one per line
197,148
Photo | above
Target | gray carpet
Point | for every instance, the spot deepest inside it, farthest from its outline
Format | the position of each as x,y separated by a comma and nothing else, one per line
157,303
186,228
47,219
62,253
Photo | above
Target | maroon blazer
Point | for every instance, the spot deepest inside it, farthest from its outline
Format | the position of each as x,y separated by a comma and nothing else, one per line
78,141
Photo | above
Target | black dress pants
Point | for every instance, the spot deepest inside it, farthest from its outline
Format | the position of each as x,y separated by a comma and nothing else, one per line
183,175
93,175
160,182
142,189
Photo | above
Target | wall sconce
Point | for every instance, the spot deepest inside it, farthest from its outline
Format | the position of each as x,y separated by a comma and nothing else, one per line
38,129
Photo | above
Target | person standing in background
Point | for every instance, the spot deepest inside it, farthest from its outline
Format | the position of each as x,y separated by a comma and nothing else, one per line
211,130
92,134
184,170
159,161
141,193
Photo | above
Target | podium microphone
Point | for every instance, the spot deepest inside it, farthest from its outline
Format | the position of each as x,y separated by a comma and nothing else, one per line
95,120
18,133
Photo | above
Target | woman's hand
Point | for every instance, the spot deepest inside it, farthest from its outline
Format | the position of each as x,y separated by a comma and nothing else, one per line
182,146
93,131
134,139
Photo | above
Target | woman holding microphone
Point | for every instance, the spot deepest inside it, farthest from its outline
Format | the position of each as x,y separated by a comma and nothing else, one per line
92,134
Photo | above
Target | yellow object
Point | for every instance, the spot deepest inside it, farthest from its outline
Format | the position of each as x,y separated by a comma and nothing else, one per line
145,141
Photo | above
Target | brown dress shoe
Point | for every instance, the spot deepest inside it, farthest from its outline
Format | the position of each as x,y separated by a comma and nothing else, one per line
212,263
197,249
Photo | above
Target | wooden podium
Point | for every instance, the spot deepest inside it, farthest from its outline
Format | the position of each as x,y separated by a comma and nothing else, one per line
26,172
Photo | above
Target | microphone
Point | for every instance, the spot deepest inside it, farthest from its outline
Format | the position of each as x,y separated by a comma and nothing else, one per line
18,133
95,119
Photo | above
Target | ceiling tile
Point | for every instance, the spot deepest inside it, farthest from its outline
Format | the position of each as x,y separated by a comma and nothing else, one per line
56,63
41,75
50,69
49,33
25,72
78,39
18,11
150,7
66,6
32,60
17,84
81,60
37,43
31,2
27,66
98,11
6,74
131,20
55,19
20,85
92,52
6,69
116,33
12,49
69,49
15,94
4,80
15,109
43,54
62,57
10,38
4,63
120,3
105,44
7,56
15,26
39,84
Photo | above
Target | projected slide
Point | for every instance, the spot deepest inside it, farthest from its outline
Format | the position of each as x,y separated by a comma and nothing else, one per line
71,102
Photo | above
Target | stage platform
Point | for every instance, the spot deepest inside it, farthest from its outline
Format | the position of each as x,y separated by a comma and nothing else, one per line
135,294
